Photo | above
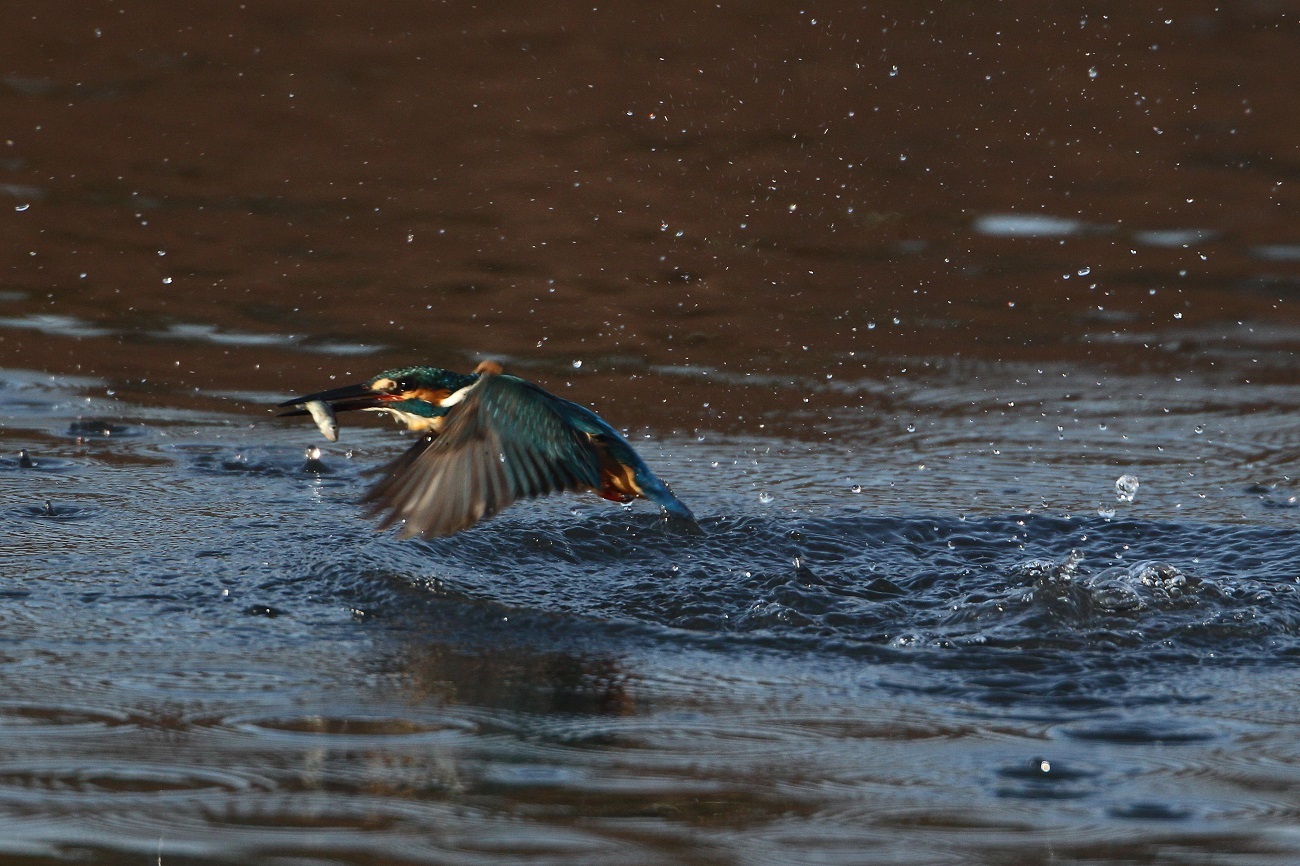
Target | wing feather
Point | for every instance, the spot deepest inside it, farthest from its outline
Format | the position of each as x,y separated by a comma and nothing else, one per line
505,440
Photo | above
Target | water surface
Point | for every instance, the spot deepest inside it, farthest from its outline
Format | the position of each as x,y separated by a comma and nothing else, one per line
968,333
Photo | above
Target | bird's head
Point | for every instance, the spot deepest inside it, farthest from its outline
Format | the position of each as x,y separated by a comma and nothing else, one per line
412,395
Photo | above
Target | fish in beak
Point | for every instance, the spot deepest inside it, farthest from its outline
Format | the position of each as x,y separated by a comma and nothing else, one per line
321,406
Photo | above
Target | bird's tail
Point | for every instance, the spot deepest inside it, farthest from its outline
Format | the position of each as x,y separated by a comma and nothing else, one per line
682,522
678,517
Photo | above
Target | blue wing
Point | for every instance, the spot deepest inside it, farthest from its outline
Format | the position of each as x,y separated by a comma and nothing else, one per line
506,440
503,442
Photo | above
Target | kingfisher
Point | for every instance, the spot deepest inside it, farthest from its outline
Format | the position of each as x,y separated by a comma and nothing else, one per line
487,439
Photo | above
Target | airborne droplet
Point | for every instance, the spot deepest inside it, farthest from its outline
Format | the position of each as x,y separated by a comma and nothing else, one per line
1126,488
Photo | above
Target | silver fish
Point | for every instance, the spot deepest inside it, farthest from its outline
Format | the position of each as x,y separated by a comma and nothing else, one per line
323,415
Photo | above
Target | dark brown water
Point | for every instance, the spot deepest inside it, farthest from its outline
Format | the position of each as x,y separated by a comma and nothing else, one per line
893,297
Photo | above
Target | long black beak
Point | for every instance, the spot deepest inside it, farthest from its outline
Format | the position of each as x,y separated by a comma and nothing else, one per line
339,399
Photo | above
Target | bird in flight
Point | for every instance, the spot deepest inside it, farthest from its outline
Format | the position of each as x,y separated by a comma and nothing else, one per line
487,439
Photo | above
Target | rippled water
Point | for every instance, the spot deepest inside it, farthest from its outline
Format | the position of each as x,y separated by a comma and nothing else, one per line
969,331
903,650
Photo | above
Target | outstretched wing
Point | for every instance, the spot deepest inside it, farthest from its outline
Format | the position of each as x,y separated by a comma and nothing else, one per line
504,441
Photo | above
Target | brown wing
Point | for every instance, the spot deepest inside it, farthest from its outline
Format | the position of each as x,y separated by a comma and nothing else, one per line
503,442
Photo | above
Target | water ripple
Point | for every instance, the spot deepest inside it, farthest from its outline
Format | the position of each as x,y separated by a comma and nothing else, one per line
1036,583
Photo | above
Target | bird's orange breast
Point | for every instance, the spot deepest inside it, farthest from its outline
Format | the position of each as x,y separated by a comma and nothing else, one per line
617,482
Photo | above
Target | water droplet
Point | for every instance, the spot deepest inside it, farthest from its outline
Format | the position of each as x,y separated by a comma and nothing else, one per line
167,281
1092,72
1105,512
1126,488
22,207
1045,766
1083,272
911,428
765,497
1200,428
577,364
856,488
